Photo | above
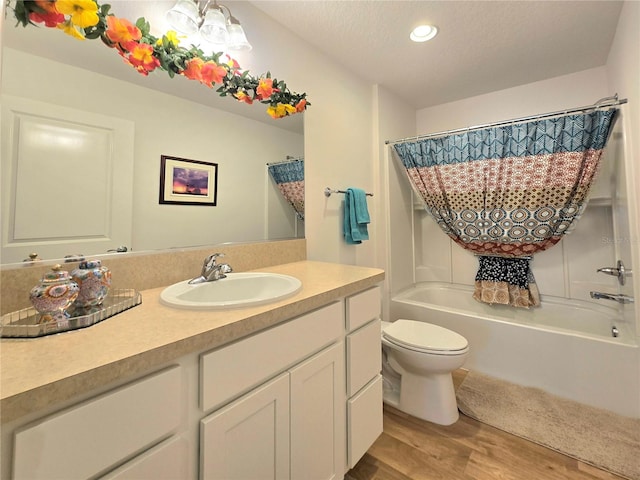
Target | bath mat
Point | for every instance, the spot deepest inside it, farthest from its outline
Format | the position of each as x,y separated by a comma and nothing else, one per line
592,435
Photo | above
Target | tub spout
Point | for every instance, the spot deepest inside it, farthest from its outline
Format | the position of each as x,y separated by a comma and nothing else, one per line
617,297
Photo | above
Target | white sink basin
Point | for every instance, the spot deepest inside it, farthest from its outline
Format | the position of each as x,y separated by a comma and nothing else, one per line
235,291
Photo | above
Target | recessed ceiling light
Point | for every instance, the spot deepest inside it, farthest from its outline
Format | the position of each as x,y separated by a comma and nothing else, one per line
423,33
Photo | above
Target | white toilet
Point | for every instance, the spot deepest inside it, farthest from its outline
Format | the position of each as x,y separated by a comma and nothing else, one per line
417,361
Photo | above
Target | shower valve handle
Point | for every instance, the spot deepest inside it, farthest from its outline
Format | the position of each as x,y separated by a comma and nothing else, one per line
618,271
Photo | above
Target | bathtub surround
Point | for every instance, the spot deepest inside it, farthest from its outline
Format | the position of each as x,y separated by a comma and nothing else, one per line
508,191
595,436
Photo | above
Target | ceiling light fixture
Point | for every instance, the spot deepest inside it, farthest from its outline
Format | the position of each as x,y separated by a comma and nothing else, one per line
216,27
423,33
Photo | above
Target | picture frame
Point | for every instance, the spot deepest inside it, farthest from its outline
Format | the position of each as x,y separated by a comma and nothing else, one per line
188,182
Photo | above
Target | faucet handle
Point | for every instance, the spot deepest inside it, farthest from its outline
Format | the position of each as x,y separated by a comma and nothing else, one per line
209,263
211,259
618,271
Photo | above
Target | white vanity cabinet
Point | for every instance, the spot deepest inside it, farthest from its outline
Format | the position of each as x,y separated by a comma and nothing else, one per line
300,400
290,426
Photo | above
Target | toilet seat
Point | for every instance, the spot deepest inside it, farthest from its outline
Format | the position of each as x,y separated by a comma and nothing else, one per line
425,337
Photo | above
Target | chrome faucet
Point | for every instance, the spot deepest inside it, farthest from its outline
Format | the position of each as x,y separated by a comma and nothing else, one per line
617,297
212,271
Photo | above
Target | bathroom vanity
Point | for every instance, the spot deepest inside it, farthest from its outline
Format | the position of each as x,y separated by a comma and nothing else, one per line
286,390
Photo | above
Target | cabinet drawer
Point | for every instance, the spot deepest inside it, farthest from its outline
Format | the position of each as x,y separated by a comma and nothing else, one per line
364,420
87,439
363,307
364,356
235,369
167,461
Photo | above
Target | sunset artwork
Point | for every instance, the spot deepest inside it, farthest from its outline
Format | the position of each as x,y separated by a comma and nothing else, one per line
190,181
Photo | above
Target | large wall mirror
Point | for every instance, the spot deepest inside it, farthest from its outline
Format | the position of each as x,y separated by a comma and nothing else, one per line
47,74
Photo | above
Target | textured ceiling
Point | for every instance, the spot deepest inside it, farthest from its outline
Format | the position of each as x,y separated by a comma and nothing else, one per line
482,46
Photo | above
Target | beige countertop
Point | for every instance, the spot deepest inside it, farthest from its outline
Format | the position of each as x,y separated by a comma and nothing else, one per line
40,372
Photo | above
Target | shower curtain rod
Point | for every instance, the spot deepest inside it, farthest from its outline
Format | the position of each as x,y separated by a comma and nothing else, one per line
288,160
603,102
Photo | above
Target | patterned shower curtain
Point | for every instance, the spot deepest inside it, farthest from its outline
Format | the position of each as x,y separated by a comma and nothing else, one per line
289,177
509,191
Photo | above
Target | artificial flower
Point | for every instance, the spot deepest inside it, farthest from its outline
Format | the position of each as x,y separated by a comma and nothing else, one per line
193,70
172,38
301,105
122,32
84,13
70,29
47,5
265,88
206,73
142,58
243,97
48,15
211,73
232,63
50,19
281,110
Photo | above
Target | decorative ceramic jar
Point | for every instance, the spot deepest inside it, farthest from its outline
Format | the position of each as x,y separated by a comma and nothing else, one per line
55,293
94,281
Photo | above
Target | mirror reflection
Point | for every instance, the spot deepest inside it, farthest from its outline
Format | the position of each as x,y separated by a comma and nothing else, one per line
94,202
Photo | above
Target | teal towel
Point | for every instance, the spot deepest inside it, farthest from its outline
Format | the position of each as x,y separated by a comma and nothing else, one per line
356,216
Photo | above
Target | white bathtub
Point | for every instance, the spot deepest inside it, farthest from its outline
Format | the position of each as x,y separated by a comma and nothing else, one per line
565,347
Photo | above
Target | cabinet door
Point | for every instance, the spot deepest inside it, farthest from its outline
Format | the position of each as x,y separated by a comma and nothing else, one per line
249,438
364,420
318,416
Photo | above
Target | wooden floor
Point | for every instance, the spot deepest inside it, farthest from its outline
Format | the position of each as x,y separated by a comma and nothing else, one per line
412,449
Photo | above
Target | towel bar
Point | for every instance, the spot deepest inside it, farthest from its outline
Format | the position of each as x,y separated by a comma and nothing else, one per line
328,191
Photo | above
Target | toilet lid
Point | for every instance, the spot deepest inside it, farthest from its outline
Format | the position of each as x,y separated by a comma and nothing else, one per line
424,336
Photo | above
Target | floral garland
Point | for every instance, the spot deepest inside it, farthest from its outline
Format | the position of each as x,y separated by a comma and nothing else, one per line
86,19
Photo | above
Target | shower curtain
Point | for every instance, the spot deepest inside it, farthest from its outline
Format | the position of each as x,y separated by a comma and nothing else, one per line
509,191
289,177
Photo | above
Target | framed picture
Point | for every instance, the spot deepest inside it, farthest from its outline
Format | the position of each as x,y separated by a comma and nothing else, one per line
188,182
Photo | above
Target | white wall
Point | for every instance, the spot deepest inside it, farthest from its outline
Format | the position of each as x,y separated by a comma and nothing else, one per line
393,119
168,125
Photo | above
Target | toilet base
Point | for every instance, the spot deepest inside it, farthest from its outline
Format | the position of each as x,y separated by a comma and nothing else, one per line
391,391
429,397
